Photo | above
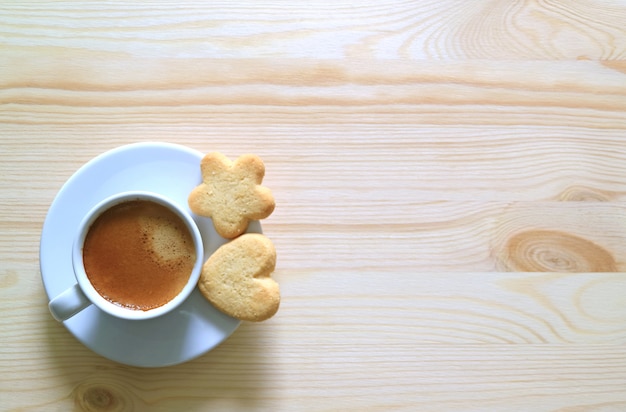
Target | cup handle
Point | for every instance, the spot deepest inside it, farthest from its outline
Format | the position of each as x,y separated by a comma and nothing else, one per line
68,303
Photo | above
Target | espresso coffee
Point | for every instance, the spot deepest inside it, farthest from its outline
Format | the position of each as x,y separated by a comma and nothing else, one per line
138,254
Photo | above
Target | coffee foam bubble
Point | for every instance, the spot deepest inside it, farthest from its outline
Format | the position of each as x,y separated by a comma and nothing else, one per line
168,242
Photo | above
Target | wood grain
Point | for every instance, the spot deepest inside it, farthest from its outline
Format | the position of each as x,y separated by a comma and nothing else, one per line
449,29
450,187
95,88
431,340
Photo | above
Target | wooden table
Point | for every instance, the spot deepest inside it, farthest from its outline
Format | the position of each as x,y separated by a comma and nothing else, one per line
450,180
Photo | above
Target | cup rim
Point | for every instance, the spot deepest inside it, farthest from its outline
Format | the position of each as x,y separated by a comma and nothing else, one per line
81,276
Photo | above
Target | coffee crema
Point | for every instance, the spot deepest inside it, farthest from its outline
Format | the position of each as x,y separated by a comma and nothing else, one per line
138,254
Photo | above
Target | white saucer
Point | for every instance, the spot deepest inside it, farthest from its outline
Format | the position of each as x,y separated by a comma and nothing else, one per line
191,330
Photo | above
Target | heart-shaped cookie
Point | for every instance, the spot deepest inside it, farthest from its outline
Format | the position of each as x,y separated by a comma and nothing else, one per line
236,278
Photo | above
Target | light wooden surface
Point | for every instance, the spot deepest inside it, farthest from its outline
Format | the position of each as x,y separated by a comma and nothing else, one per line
450,179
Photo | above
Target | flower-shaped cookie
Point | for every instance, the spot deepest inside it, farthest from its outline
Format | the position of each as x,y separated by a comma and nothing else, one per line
231,193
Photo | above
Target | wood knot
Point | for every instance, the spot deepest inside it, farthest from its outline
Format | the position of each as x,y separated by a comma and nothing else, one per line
602,300
554,251
100,398
585,194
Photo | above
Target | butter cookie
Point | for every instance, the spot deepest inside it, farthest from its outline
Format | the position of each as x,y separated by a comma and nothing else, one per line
236,278
231,193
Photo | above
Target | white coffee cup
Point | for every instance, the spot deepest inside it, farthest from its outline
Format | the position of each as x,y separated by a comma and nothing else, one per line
83,293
